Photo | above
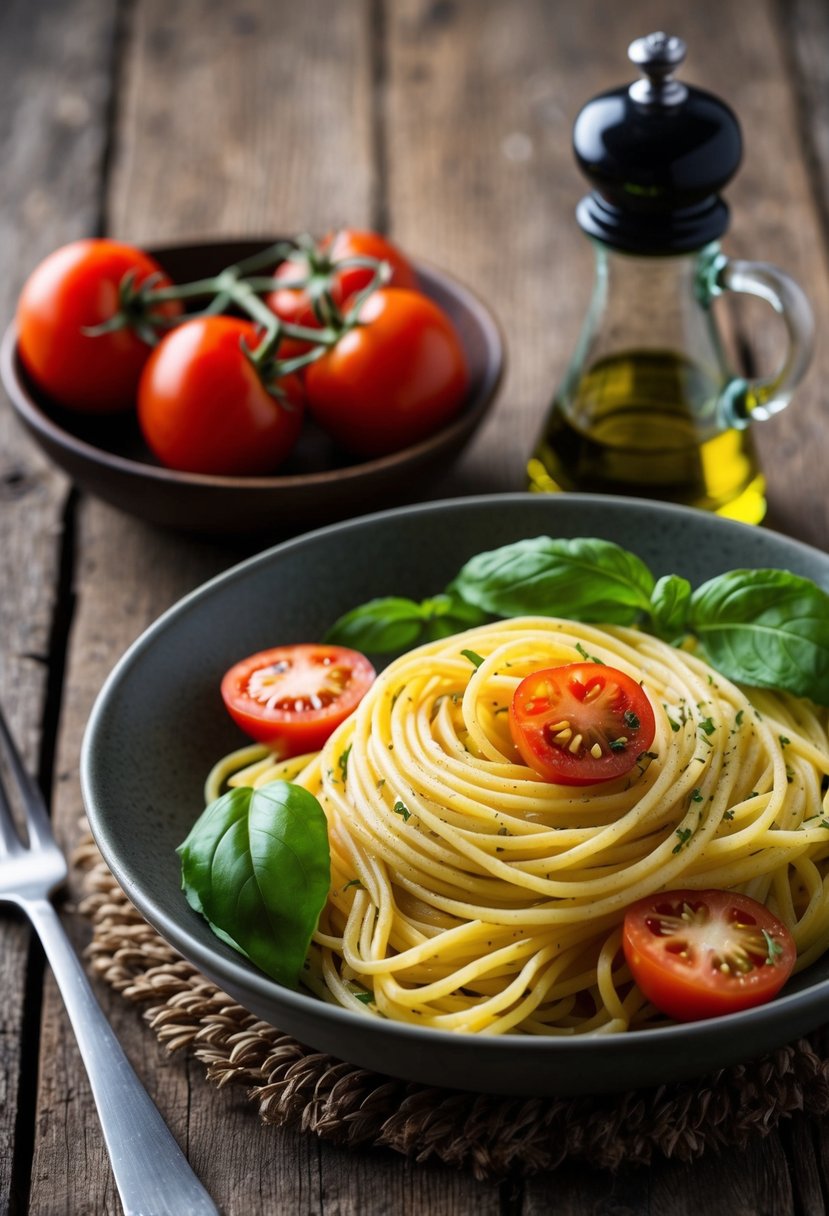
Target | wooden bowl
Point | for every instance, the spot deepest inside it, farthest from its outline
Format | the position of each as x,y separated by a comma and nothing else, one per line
107,456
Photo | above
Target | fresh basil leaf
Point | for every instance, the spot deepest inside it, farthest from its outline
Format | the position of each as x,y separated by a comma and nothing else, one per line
585,579
670,601
394,623
390,623
256,865
447,614
766,628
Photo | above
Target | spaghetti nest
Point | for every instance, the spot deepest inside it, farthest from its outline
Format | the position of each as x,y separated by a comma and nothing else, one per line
469,894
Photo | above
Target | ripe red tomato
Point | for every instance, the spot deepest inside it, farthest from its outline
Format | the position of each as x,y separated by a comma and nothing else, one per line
294,304
77,288
581,722
203,407
293,697
699,954
393,379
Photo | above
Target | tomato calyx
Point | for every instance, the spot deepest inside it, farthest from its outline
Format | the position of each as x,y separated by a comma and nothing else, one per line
313,267
140,309
271,369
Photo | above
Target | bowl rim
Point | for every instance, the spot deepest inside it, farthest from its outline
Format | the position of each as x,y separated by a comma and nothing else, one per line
475,408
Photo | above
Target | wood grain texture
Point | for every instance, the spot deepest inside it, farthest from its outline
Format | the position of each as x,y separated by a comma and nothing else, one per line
244,119
806,26
274,135
54,76
480,100
450,121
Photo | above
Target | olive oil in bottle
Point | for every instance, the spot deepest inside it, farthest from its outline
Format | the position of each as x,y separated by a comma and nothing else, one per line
645,423
651,404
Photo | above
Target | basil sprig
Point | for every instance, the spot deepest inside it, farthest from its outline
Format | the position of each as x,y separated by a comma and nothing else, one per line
256,866
393,623
764,628
591,578
668,608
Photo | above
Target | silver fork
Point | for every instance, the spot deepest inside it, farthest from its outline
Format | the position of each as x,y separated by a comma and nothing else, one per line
151,1172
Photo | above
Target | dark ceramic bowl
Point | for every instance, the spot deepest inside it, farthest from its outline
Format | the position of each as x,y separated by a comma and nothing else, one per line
108,456
143,777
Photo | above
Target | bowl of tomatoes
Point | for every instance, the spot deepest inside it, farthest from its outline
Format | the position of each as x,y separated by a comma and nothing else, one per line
183,408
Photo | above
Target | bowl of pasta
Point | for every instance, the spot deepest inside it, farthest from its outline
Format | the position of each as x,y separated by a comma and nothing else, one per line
572,838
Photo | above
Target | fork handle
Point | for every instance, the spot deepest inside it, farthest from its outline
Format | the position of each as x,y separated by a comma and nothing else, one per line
151,1172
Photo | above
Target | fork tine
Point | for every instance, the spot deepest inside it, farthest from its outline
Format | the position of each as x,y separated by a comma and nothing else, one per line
37,817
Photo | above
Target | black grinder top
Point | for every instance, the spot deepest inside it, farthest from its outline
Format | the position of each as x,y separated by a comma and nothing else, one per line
657,154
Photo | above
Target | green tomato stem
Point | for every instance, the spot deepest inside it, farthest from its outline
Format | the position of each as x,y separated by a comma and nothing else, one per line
187,291
239,285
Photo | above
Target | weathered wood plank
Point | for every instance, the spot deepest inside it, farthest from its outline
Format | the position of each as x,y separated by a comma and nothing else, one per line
744,1184
54,73
805,24
253,119
482,182
268,132
806,27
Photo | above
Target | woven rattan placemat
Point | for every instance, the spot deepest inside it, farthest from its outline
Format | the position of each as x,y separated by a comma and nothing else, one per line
289,1084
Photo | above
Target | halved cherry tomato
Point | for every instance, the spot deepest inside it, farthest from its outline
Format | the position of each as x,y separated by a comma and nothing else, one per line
204,408
699,954
293,697
393,379
581,723
75,289
295,304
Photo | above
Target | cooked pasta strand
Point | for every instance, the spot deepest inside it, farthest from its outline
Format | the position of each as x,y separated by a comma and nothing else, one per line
470,894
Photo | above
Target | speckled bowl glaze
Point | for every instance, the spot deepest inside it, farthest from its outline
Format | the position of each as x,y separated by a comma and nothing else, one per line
107,456
158,726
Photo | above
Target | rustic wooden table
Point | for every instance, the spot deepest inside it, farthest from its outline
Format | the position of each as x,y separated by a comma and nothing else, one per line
446,122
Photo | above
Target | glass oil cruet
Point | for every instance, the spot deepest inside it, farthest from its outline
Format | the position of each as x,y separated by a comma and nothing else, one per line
649,405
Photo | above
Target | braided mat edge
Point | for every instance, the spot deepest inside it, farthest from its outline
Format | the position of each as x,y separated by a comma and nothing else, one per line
291,1085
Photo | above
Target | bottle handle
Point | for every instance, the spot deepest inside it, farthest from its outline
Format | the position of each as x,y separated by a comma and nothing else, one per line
743,400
